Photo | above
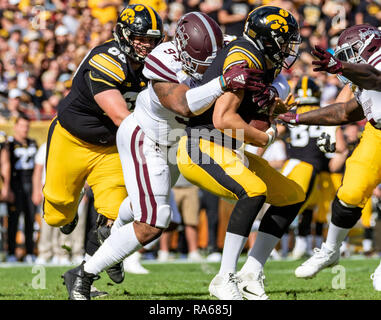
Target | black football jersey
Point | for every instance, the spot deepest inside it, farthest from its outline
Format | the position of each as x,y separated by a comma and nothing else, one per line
301,143
22,158
105,67
235,52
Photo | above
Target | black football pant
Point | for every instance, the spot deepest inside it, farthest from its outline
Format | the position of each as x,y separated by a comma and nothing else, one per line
23,205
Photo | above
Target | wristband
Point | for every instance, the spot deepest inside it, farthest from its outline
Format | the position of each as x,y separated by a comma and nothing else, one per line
222,82
297,118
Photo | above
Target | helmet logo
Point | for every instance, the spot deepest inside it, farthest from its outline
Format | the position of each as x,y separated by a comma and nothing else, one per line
129,15
364,33
182,37
278,22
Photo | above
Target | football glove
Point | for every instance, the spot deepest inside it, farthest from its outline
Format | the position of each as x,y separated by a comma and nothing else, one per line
327,62
240,77
326,143
289,117
264,96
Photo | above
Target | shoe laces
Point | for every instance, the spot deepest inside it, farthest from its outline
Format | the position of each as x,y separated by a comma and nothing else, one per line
318,255
233,285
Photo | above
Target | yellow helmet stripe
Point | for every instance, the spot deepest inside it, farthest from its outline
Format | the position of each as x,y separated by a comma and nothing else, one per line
153,17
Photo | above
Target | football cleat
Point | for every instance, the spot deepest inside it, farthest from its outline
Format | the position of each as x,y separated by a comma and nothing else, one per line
78,282
225,287
322,258
376,277
95,293
69,228
251,286
115,272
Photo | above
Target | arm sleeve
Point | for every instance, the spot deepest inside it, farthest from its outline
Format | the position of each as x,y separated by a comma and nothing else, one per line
202,98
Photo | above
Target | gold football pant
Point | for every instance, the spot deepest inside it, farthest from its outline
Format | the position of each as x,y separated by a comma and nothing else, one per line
305,176
221,171
70,163
363,169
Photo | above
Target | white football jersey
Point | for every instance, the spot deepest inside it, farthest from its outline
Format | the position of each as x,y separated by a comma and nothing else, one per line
370,100
159,123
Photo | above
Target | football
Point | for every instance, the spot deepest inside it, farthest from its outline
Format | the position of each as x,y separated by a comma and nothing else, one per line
260,121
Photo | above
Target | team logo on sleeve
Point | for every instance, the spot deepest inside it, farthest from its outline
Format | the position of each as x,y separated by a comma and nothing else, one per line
278,22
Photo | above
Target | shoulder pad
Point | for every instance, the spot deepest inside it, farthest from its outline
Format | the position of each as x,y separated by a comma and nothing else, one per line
162,63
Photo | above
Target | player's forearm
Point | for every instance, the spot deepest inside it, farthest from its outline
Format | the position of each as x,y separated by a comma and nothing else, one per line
363,75
233,125
188,102
113,104
332,115
328,116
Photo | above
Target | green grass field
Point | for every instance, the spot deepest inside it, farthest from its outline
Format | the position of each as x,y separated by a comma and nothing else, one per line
189,281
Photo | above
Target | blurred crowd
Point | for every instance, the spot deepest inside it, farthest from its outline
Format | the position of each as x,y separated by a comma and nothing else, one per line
43,42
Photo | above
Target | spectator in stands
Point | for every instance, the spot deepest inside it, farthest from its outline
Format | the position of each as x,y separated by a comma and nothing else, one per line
52,243
188,203
209,202
105,10
233,15
22,152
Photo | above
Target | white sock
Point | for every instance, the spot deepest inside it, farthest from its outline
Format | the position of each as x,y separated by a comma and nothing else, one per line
120,244
335,237
233,246
87,257
260,252
125,215
367,245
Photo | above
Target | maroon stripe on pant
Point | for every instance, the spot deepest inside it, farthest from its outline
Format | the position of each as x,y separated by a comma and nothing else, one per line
148,183
143,205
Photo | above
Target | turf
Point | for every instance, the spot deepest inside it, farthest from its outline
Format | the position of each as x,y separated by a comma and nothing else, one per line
189,281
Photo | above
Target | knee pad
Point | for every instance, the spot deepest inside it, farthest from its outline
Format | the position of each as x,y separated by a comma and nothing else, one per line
343,215
244,214
277,219
164,214
304,228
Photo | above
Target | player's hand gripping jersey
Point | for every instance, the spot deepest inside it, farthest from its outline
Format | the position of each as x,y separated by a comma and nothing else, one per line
104,68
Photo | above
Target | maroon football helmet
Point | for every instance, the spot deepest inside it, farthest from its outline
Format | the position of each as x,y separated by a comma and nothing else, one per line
198,39
357,43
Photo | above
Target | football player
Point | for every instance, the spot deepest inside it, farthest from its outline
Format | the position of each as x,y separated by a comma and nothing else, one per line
146,139
82,138
208,155
305,160
5,167
357,44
